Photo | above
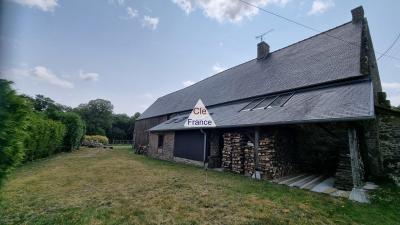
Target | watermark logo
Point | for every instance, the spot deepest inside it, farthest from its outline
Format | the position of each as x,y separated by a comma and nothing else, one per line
199,117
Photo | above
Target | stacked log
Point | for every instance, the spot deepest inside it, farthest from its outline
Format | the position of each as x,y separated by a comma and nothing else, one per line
249,161
275,155
238,142
266,155
227,152
344,178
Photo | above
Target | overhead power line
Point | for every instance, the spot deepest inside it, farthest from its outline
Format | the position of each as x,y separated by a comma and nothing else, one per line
314,29
390,47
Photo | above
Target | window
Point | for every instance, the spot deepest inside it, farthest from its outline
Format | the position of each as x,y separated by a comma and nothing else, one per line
280,100
252,104
181,119
266,102
160,140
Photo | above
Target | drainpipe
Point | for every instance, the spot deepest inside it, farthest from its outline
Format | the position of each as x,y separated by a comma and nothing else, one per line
204,148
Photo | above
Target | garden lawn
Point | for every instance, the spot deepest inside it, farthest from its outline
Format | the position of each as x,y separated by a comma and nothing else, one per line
103,186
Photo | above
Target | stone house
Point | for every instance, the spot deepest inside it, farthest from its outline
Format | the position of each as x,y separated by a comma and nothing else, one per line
315,106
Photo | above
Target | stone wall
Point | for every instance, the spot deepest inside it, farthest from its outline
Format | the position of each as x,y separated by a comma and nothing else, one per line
389,142
167,150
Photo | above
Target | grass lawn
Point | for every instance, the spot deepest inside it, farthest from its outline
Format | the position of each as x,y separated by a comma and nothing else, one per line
97,186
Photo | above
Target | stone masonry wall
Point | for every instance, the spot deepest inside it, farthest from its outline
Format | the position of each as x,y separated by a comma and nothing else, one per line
167,150
389,143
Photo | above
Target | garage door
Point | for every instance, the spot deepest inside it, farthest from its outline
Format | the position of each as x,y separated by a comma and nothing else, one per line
189,145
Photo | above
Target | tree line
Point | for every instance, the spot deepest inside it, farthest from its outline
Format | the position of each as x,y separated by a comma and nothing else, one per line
37,127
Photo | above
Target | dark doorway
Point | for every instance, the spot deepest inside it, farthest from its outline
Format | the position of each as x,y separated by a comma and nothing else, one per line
189,145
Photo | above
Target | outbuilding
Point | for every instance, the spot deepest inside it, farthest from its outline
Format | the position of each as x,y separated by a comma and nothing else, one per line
314,107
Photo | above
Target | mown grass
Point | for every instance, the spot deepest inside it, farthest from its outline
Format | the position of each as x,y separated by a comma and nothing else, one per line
99,186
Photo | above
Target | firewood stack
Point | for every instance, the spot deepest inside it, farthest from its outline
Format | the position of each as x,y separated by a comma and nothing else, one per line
238,143
266,154
249,161
275,157
227,151
344,178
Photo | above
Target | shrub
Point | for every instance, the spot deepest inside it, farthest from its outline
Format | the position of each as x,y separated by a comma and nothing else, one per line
45,137
96,138
75,130
13,113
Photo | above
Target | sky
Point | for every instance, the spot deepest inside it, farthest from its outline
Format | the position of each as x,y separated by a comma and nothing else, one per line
133,51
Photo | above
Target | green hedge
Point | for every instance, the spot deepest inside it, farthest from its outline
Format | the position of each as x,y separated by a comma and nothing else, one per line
13,113
45,137
75,130
96,138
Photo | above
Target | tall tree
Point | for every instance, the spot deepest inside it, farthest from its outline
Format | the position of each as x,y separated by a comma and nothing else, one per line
98,116
120,127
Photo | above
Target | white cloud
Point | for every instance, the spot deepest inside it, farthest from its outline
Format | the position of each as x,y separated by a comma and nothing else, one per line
397,65
187,83
320,6
393,92
117,2
185,5
40,73
226,10
44,5
88,76
150,22
217,68
394,100
391,85
132,13
46,75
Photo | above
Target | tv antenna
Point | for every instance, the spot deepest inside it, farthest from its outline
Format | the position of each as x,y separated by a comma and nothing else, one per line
263,34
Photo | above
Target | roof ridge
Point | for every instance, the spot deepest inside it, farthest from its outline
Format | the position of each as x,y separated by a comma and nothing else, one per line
322,33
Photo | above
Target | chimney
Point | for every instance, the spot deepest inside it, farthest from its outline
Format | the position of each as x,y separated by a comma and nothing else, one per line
262,50
358,14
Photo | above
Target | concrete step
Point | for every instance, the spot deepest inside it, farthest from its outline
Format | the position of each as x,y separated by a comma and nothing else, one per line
303,181
325,185
314,182
277,180
293,179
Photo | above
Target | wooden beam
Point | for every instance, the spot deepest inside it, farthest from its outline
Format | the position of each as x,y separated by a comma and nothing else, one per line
356,163
256,147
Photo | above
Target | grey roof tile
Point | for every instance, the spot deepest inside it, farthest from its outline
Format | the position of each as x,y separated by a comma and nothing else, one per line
338,103
315,60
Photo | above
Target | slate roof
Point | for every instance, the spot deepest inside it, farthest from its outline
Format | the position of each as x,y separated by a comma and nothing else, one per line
317,60
337,103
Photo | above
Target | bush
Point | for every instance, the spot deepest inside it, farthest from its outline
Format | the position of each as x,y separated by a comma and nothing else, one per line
96,138
13,113
75,130
45,137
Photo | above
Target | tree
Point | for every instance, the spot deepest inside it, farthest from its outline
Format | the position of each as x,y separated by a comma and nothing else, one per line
119,128
132,125
13,118
97,115
75,129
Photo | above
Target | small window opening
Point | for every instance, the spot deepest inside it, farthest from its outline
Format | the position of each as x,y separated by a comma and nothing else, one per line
160,141
252,104
266,102
280,100
181,119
